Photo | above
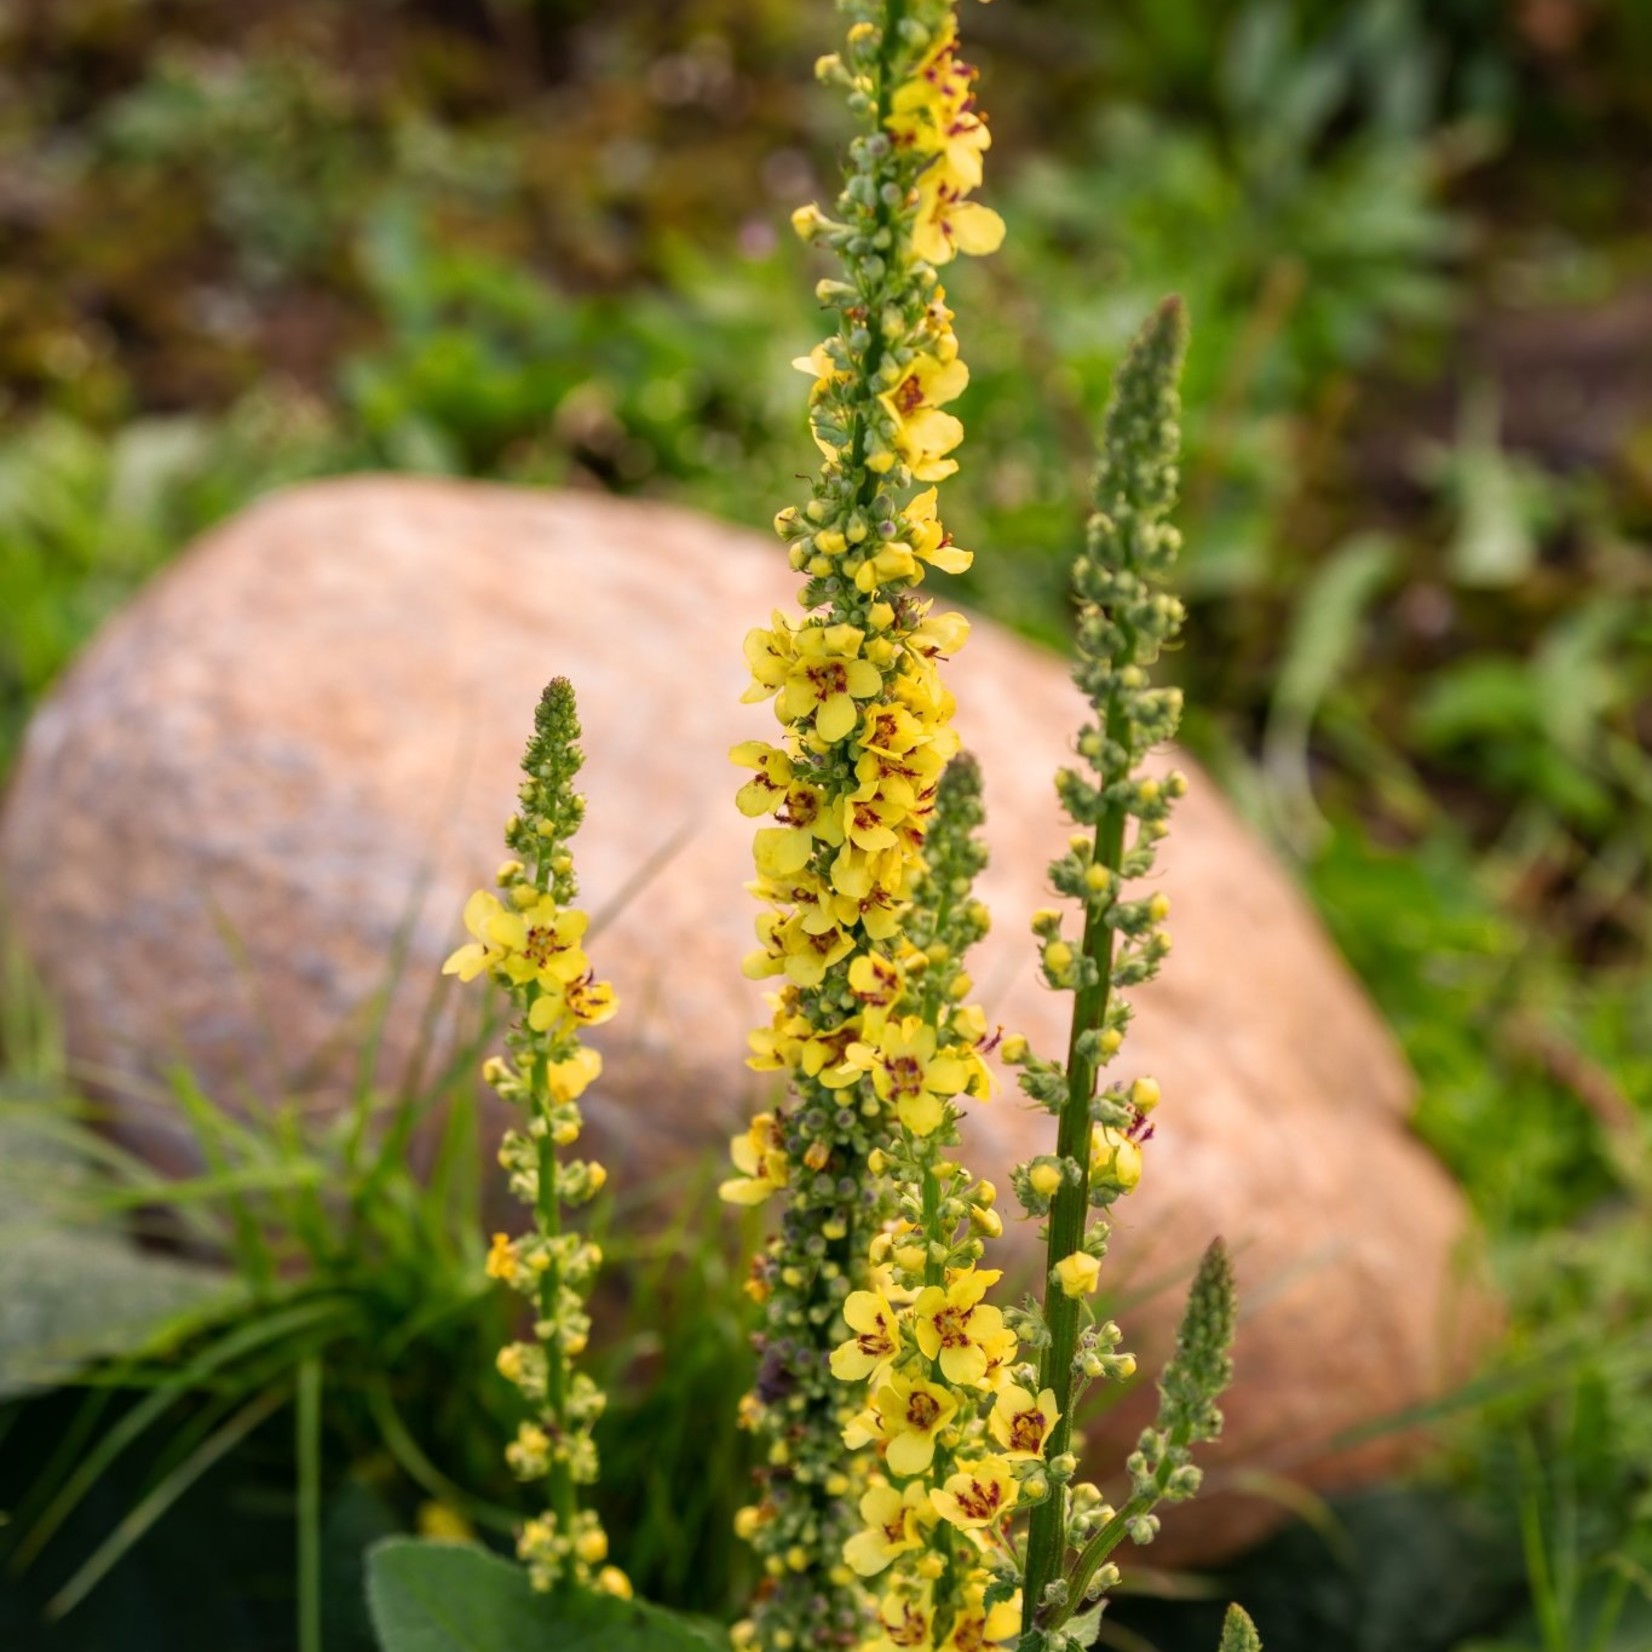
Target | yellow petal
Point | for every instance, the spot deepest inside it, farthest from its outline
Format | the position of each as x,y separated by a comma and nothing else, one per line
977,229
837,715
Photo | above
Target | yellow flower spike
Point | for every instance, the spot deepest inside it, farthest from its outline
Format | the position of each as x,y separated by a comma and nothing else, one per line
531,943
980,1493
1020,1423
872,1037
876,1342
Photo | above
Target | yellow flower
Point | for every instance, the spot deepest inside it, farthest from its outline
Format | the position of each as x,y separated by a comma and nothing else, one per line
768,655
977,1626
923,435
905,1621
947,224
910,1414
953,1324
979,1494
877,983
868,874
760,1156
1078,1274
824,679
569,1078
872,812
585,1002
541,943
934,113
780,852
501,1262
467,962
778,1047
1001,1349
1021,1424
1114,1158
767,792
907,1070
876,1341
792,947
931,542
892,1527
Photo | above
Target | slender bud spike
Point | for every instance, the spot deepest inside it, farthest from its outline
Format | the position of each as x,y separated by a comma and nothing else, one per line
1239,1633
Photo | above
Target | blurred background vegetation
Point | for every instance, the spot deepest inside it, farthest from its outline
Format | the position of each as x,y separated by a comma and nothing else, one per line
544,241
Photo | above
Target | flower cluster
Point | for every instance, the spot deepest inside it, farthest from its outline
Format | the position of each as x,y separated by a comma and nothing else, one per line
867,1045
529,940
955,1422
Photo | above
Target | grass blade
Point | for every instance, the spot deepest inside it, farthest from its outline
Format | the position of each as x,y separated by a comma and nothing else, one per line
309,1506
150,1508
139,1419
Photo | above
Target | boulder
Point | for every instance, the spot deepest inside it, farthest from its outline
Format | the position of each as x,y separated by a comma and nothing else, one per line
302,739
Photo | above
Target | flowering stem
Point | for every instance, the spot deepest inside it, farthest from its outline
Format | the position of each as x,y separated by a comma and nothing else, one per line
548,1211
1123,622
1069,1208
528,941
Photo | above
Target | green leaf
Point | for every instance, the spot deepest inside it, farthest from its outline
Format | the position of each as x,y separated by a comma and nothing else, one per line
446,1597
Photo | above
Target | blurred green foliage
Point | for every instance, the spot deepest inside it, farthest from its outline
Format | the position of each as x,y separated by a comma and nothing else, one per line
544,240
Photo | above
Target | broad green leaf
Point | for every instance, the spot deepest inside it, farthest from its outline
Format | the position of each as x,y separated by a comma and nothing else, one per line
446,1597
70,1293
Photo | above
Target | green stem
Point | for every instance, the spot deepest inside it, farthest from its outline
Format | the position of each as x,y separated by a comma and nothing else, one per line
1068,1209
548,1212
309,1505
874,350
934,1271
1095,1553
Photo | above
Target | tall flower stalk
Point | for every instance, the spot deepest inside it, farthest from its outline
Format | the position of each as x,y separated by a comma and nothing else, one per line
1126,617
867,1049
529,940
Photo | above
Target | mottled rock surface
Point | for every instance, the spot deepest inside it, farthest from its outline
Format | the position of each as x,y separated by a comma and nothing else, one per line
306,733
